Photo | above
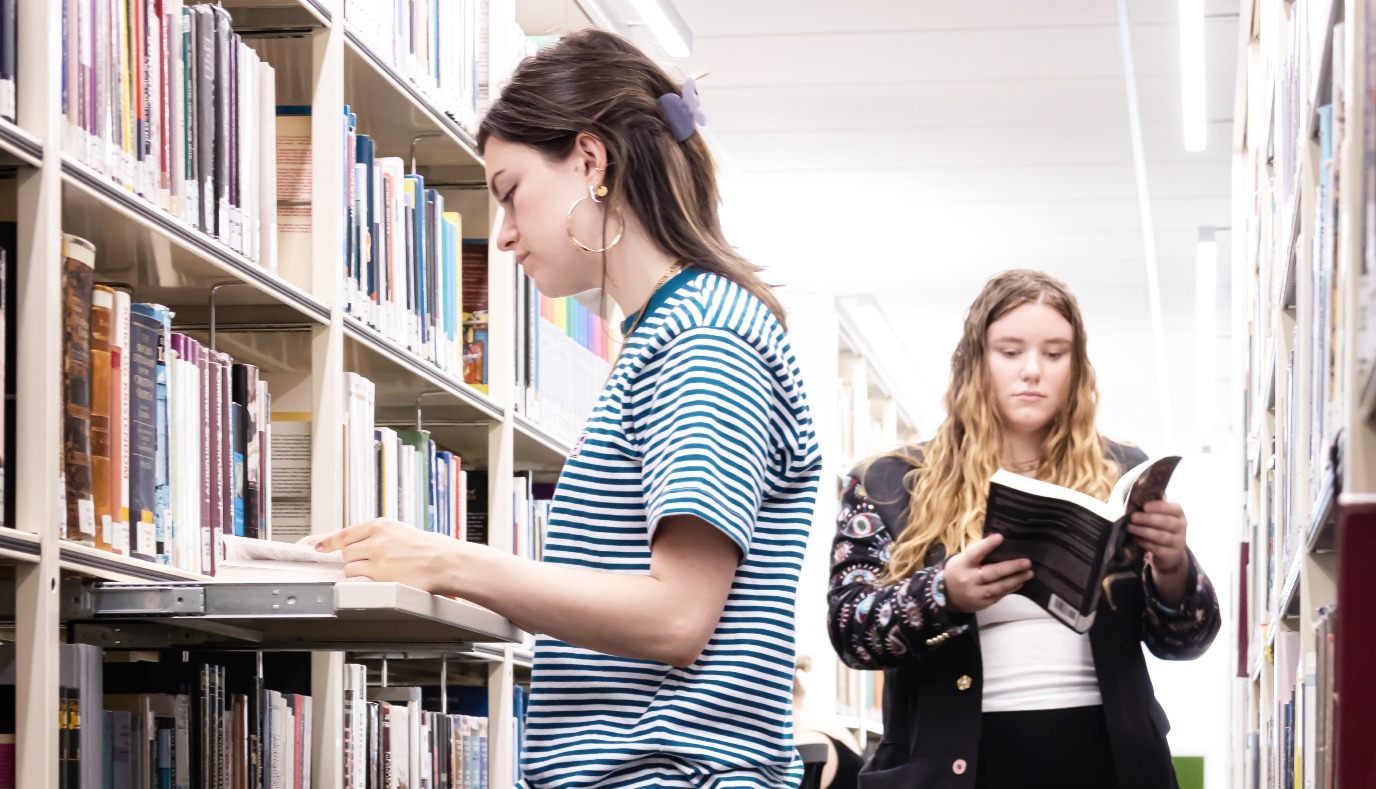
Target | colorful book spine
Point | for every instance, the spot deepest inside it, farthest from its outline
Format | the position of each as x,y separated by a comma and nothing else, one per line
78,273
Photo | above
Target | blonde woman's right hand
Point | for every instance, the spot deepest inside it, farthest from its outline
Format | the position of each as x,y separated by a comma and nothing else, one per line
972,585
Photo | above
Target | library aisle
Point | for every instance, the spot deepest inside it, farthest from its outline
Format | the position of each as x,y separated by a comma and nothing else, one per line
251,293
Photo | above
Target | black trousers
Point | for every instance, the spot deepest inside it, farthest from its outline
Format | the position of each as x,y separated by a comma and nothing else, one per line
1045,749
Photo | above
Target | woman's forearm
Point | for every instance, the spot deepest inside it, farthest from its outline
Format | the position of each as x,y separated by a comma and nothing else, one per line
663,619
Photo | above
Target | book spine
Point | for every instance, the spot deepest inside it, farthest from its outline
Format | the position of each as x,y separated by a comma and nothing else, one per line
102,302
121,353
204,130
143,444
215,438
78,273
241,427
222,130
162,495
225,418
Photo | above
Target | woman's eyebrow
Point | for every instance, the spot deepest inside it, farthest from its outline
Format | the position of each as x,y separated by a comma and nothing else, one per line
492,183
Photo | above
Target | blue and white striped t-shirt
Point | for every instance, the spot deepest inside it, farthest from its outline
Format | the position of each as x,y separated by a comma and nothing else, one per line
704,415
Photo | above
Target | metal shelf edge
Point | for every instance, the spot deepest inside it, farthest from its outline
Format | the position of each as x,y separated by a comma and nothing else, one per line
365,334
100,187
441,119
18,142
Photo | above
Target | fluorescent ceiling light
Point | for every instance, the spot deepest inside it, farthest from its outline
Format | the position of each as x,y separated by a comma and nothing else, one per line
667,26
1206,327
1192,74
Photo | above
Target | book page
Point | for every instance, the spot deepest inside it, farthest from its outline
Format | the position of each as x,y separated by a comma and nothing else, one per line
247,549
1146,482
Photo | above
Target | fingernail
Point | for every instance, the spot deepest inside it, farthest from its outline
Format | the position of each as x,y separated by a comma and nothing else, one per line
320,547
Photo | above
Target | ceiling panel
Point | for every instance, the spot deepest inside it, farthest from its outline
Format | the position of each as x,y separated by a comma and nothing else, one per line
752,19
896,58
907,152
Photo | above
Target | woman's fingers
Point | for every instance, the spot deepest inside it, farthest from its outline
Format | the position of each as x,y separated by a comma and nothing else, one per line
997,591
990,573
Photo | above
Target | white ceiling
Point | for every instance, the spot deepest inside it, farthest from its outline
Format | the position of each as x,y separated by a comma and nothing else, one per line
904,152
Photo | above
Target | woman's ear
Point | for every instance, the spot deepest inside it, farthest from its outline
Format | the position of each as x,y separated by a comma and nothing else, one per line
590,157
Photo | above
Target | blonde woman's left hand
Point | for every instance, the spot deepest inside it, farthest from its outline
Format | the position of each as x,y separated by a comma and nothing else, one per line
386,550
1160,529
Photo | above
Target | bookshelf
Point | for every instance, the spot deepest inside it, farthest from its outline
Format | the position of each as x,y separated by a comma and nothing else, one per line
855,412
1303,185
292,323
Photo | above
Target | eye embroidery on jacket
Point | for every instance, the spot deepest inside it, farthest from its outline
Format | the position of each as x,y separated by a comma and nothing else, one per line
859,575
910,611
862,525
885,613
895,643
862,609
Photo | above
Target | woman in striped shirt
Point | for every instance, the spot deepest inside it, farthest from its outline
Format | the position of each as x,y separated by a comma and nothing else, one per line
665,600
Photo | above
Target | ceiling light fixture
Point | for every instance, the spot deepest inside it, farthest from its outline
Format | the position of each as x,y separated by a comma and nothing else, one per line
1192,74
667,26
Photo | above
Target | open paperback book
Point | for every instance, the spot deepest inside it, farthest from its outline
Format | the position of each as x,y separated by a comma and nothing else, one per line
248,559
1070,537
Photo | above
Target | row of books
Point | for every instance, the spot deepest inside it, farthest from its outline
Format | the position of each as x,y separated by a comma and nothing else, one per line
406,476
165,98
437,46
859,694
390,739
173,725
1286,140
867,427
564,353
166,443
1300,746
531,502
213,721
408,272
1325,304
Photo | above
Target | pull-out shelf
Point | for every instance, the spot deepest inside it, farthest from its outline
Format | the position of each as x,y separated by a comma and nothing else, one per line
307,615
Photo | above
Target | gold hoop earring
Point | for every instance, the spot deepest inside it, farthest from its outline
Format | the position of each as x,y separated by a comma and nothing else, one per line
568,225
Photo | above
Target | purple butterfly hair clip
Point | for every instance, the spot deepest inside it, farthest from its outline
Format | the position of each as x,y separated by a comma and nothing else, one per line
684,111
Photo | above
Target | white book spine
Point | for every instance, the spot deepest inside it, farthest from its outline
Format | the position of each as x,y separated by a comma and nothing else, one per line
267,175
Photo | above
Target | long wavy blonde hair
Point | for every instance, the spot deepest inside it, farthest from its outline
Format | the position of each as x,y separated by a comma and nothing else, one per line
949,480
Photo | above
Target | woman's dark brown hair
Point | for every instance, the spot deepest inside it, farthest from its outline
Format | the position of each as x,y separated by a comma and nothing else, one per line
600,84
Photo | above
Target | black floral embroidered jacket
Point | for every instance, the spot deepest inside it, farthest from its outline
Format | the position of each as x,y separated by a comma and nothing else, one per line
931,654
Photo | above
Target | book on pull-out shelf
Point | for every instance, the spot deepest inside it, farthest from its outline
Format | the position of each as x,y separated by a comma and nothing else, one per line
1070,537
247,559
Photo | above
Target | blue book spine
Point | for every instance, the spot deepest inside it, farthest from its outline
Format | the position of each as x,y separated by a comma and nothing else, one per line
163,529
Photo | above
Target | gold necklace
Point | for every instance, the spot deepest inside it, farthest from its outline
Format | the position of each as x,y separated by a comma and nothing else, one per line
640,314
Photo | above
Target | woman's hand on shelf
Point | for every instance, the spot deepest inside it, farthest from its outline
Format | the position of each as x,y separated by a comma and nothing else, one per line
390,551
